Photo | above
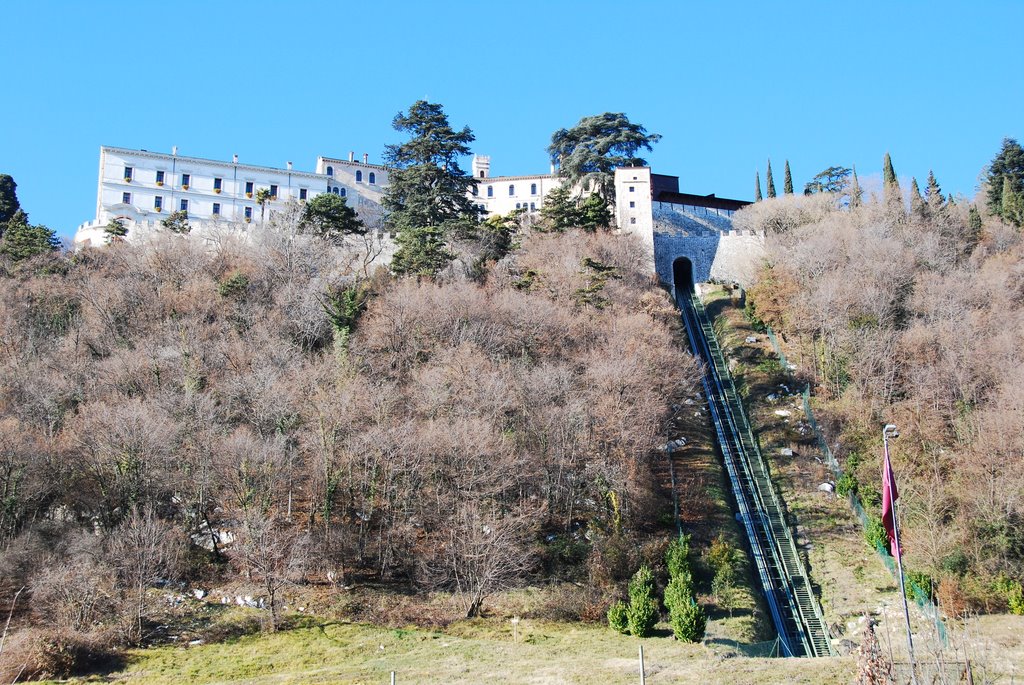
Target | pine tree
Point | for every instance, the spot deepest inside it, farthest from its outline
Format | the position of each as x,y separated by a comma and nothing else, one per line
1012,204
769,181
1008,164
917,206
9,205
427,197
22,241
933,194
974,226
757,186
856,194
560,211
787,184
888,173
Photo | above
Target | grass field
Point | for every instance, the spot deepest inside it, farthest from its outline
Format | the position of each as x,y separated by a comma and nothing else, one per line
480,651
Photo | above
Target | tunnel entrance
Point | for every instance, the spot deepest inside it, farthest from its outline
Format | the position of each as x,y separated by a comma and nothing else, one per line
682,275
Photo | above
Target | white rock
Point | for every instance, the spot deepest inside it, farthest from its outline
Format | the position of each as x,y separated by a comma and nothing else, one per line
751,339
782,412
827,487
772,397
786,452
198,593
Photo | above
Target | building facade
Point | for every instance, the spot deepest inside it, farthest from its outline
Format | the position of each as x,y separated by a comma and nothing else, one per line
142,188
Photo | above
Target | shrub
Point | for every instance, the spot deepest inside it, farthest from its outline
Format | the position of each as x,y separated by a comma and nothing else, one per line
679,591
919,585
617,617
688,622
1012,592
677,556
642,615
847,485
875,535
234,285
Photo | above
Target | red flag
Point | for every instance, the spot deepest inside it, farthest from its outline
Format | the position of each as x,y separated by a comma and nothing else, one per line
889,497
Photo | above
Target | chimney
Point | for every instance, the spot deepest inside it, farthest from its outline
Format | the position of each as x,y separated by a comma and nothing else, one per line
234,159
289,166
351,155
174,150
552,168
366,158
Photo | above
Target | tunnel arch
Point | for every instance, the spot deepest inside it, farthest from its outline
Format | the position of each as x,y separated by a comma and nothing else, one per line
682,275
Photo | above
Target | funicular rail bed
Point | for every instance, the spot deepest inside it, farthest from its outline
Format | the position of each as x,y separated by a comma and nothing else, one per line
787,590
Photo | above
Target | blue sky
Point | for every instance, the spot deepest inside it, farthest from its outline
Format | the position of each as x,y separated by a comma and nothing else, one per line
938,84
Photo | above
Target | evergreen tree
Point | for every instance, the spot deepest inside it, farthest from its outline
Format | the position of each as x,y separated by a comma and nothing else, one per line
770,181
1012,208
642,612
588,153
22,241
933,195
787,185
1007,165
917,206
560,211
328,216
9,205
427,199
856,194
757,186
115,229
974,226
890,185
177,222
594,213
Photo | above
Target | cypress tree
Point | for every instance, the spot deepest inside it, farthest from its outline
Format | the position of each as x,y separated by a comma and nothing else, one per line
973,236
769,181
855,192
1012,209
787,184
916,201
757,186
890,184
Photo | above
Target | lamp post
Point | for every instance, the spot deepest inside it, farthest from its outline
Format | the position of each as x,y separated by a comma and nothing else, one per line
889,431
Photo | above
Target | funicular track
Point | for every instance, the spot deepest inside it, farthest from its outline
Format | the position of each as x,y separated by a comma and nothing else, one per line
787,590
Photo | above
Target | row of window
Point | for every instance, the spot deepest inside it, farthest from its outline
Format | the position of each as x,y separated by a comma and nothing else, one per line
183,203
511,190
372,177
218,183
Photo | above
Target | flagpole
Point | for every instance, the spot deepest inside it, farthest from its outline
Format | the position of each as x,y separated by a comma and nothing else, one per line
899,550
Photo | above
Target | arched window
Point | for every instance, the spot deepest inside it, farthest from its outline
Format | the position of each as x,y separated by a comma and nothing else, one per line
359,176
373,178
490,191
335,191
343,192
330,171
518,204
533,189
511,190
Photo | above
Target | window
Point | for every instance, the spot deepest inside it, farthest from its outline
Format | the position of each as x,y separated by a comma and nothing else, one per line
302,193
632,219
631,189
533,206
330,171
184,205
186,179
533,189
158,203
518,205
216,209
159,178
511,190
476,190
248,213
248,188
359,176
343,192
490,191
632,204
483,174
217,184
129,173
126,198
335,191
373,178
273,192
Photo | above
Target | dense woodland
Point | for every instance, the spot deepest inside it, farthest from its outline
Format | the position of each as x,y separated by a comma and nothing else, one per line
175,410
909,308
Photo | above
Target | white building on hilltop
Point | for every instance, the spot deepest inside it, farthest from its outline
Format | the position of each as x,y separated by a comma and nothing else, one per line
142,188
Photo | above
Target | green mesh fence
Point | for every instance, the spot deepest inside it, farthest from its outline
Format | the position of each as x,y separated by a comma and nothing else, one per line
920,596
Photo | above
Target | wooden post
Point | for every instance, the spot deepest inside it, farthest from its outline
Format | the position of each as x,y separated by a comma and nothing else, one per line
643,676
